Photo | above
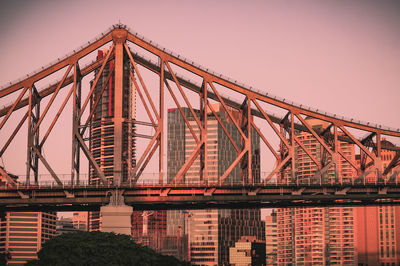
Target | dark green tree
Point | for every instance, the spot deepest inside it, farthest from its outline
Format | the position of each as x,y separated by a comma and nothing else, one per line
4,256
98,248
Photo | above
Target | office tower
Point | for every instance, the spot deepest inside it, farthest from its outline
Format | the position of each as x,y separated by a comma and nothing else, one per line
317,236
23,234
210,233
247,251
378,227
80,221
149,228
271,239
64,225
102,129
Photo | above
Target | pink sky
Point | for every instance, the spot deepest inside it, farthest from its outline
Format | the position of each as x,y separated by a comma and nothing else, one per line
341,57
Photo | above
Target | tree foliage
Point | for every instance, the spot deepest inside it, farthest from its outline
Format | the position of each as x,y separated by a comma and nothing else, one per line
98,248
4,256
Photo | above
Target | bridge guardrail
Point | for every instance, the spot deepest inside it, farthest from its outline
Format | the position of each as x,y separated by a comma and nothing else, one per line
155,183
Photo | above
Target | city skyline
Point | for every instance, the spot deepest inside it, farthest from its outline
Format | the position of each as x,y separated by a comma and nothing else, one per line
342,59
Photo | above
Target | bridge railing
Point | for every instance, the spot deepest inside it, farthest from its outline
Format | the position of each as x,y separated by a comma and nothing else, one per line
227,183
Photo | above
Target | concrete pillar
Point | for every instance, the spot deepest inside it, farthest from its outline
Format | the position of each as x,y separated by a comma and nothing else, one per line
117,219
116,216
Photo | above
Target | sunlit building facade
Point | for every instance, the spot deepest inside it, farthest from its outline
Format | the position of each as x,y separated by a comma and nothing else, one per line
317,236
101,138
271,239
23,234
149,228
210,233
80,221
378,227
247,251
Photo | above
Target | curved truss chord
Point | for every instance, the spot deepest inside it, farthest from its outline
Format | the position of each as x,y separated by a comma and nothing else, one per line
292,134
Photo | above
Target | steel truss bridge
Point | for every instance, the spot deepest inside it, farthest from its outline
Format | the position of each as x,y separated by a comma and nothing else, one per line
372,182
181,196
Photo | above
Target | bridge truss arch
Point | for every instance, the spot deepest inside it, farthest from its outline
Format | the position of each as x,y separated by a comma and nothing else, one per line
206,88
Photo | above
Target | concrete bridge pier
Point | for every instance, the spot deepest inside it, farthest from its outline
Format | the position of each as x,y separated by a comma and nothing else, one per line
116,216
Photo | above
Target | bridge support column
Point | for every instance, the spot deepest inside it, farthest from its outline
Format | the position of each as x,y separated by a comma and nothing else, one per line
116,216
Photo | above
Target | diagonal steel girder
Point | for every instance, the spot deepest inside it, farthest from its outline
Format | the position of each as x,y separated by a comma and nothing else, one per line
167,59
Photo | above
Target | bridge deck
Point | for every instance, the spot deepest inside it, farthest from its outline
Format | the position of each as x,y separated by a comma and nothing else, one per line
91,197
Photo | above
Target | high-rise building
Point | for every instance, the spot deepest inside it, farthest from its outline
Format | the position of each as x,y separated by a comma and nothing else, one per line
210,232
271,239
378,227
149,228
317,236
102,129
23,234
102,126
80,221
247,251
64,225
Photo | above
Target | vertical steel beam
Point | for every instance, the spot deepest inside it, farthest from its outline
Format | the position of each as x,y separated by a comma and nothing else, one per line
161,125
335,156
32,159
119,37
282,147
293,147
202,106
378,161
76,121
248,144
131,127
35,159
28,146
204,132
73,147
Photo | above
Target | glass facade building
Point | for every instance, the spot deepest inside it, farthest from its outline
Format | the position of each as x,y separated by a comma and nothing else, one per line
101,138
210,233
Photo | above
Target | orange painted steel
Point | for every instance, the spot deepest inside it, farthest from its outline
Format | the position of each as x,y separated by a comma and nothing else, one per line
153,197
119,39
